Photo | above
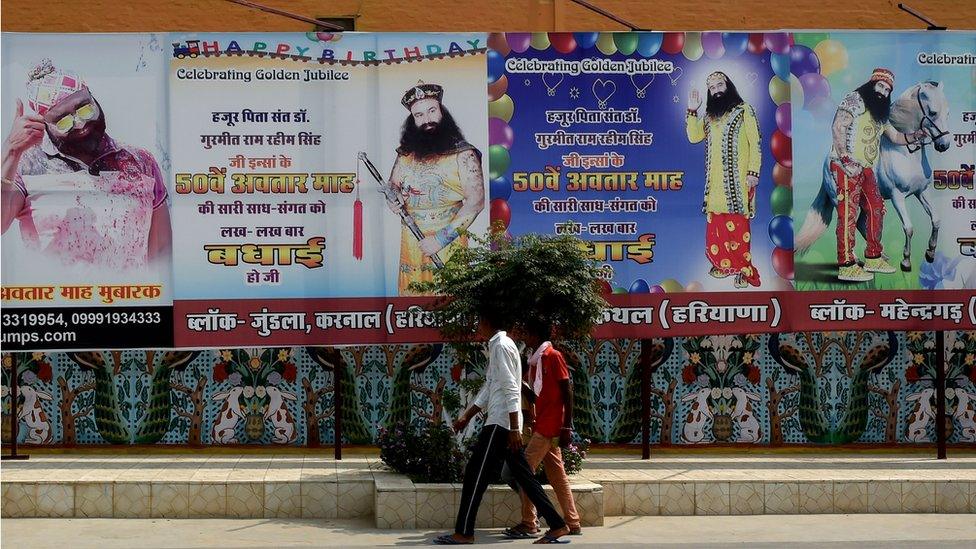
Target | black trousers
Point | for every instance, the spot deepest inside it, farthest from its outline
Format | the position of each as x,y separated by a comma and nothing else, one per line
489,453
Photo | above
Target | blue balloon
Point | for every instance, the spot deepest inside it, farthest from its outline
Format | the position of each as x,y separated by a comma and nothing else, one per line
781,65
803,60
586,40
735,43
639,287
496,65
648,43
781,231
499,187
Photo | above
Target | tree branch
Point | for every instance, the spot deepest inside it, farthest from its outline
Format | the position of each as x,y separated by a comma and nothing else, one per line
180,412
83,413
787,413
180,387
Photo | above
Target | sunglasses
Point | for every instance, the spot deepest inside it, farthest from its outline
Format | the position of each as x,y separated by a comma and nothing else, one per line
84,113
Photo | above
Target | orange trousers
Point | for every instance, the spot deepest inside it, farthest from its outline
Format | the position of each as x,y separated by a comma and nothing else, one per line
542,450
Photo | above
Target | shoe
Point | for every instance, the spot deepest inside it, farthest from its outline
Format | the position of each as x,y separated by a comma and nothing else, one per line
740,281
878,265
716,273
853,273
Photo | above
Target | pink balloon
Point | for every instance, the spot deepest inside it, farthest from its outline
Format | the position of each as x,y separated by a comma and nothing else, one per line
519,41
500,133
815,88
784,119
656,289
712,45
776,42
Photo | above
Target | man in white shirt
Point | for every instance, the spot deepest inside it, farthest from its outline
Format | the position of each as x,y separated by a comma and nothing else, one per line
500,441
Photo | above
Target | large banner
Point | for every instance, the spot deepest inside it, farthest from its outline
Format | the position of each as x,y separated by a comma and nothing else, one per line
220,190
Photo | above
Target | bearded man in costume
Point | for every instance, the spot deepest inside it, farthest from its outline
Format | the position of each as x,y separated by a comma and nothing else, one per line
860,121
439,178
733,157
79,196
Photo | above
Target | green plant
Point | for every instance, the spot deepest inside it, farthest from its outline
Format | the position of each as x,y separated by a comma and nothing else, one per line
573,456
425,453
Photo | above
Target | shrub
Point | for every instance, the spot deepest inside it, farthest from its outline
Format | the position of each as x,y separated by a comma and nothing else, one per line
425,453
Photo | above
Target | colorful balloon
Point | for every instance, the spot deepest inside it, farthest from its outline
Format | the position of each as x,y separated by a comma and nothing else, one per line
815,88
619,290
780,64
496,66
783,263
605,287
756,43
673,42
499,211
784,119
803,60
656,289
692,49
809,39
672,286
779,90
780,200
498,161
563,42
776,42
781,231
606,44
648,43
832,55
783,176
844,81
694,287
497,42
500,133
539,40
639,287
503,108
586,40
713,45
626,42
500,188
735,43
796,91
782,148
519,41
497,88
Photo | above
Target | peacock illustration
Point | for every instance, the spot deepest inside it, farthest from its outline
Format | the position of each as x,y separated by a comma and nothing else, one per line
155,423
108,418
585,419
415,361
628,422
353,428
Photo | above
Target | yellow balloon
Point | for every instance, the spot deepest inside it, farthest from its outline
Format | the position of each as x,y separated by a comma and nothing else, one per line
540,40
796,91
606,44
832,55
779,90
503,108
692,49
671,286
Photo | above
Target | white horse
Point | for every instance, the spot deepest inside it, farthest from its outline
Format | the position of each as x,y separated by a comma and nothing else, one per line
902,171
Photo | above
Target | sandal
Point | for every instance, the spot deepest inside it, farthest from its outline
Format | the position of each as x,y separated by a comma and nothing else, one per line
520,531
447,539
547,539
576,531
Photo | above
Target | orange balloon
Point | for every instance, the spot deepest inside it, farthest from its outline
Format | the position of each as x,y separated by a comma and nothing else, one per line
497,42
782,176
497,88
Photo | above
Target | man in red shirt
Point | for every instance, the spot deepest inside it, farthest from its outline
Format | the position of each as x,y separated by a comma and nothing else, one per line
552,428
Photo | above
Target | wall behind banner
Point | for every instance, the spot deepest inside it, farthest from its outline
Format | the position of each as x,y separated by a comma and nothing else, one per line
469,15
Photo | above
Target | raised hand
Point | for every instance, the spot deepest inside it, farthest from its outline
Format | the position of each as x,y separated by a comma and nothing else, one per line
26,131
694,100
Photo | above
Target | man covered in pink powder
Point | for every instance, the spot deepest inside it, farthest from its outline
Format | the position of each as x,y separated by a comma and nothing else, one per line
78,195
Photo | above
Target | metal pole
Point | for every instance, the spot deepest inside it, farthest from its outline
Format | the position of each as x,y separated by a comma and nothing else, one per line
644,362
337,406
14,395
940,394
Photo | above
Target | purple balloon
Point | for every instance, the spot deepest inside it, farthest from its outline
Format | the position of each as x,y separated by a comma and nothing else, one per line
656,289
518,41
815,88
500,133
712,45
803,60
776,42
784,120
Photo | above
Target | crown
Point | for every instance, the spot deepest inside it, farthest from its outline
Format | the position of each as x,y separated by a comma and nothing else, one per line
42,69
422,91
715,77
883,75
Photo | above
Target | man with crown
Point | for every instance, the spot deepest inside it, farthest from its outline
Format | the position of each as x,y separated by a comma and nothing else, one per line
78,195
733,157
439,177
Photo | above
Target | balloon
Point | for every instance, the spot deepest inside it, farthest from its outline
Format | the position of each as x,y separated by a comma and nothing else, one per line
796,91
803,60
498,161
497,88
672,286
782,176
605,287
779,90
783,263
619,290
497,42
655,289
539,41
499,211
586,40
815,87
605,43
500,188
519,41
649,43
626,42
713,45
496,66
735,43
673,42
809,39
692,49
503,107
832,55
843,81
782,148
780,64
639,287
780,200
500,133
776,42
563,42
784,119
694,287
781,231
756,43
